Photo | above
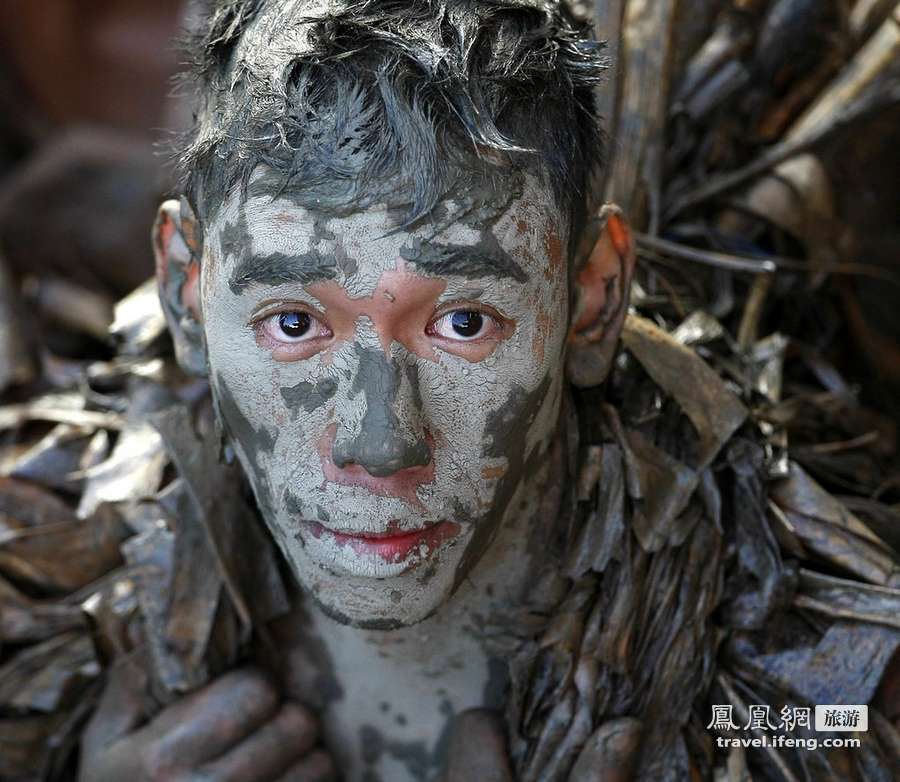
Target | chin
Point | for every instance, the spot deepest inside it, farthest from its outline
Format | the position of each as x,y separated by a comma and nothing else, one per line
384,602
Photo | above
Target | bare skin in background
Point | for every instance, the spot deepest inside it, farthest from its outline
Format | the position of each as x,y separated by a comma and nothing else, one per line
399,419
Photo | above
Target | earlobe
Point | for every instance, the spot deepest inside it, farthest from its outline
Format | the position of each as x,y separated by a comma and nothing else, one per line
602,287
176,249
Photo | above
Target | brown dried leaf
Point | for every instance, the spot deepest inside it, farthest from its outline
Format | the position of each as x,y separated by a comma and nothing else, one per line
698,328
602,530
846,666
553,731
71,305
196,586
50,675
53,459
23,619
150,555
109,611
132,472
244,555
64,556
827,528
802,495
26,506
634,177
713,409
666,489
24,743
844,599
63,408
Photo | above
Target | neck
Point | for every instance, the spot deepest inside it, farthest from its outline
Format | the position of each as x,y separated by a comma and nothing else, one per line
392,722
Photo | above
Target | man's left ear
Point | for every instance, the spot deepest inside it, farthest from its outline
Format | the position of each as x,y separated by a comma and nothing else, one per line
176,248
602,287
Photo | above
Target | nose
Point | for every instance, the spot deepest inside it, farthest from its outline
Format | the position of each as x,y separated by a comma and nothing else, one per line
391,437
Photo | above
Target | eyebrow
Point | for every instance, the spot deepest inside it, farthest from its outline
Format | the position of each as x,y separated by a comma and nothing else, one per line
463,260
280,268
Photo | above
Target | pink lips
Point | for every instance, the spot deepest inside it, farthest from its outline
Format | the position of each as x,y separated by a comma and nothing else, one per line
391,545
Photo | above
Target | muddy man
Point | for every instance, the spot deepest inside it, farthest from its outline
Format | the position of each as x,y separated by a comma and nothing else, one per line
374,265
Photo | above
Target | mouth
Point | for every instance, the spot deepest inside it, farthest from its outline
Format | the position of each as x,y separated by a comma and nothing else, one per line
391,546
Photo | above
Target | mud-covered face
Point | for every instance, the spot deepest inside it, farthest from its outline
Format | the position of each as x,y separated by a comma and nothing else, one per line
387,390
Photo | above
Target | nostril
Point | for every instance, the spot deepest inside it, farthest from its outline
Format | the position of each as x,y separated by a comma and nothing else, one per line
341,460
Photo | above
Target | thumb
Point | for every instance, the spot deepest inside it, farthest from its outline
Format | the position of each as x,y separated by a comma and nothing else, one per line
611,754
477,749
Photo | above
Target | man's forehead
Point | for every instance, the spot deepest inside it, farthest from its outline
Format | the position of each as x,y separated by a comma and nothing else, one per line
272,220
268,210
271,237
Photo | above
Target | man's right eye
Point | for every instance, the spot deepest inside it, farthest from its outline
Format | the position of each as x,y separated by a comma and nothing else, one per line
295,326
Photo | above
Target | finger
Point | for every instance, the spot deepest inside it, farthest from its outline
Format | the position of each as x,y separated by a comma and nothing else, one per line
315,767
610,754
265,754
205,724
477,749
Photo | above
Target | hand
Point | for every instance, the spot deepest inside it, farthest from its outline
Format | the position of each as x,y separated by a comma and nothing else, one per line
235,729
477,749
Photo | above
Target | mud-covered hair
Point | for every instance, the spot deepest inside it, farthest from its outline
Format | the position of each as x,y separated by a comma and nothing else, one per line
352,100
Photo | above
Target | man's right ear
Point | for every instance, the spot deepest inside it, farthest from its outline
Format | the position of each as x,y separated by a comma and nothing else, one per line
176,248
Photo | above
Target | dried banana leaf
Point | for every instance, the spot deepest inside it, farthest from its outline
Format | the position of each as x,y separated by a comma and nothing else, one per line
735,535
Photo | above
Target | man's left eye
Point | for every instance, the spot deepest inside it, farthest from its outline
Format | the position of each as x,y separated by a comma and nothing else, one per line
463,325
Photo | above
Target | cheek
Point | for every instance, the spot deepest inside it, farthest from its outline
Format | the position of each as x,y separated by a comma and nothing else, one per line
474,410
305,398
283,404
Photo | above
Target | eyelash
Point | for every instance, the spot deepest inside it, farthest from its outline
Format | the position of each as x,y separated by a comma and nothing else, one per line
495,320
269,326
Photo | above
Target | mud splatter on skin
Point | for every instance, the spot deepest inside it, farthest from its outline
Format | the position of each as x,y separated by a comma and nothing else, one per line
309,396
382,446
383,396
277,268
252,440
321,232
497,685
508,428
419,762
235,236
378,624
412,377
442,745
